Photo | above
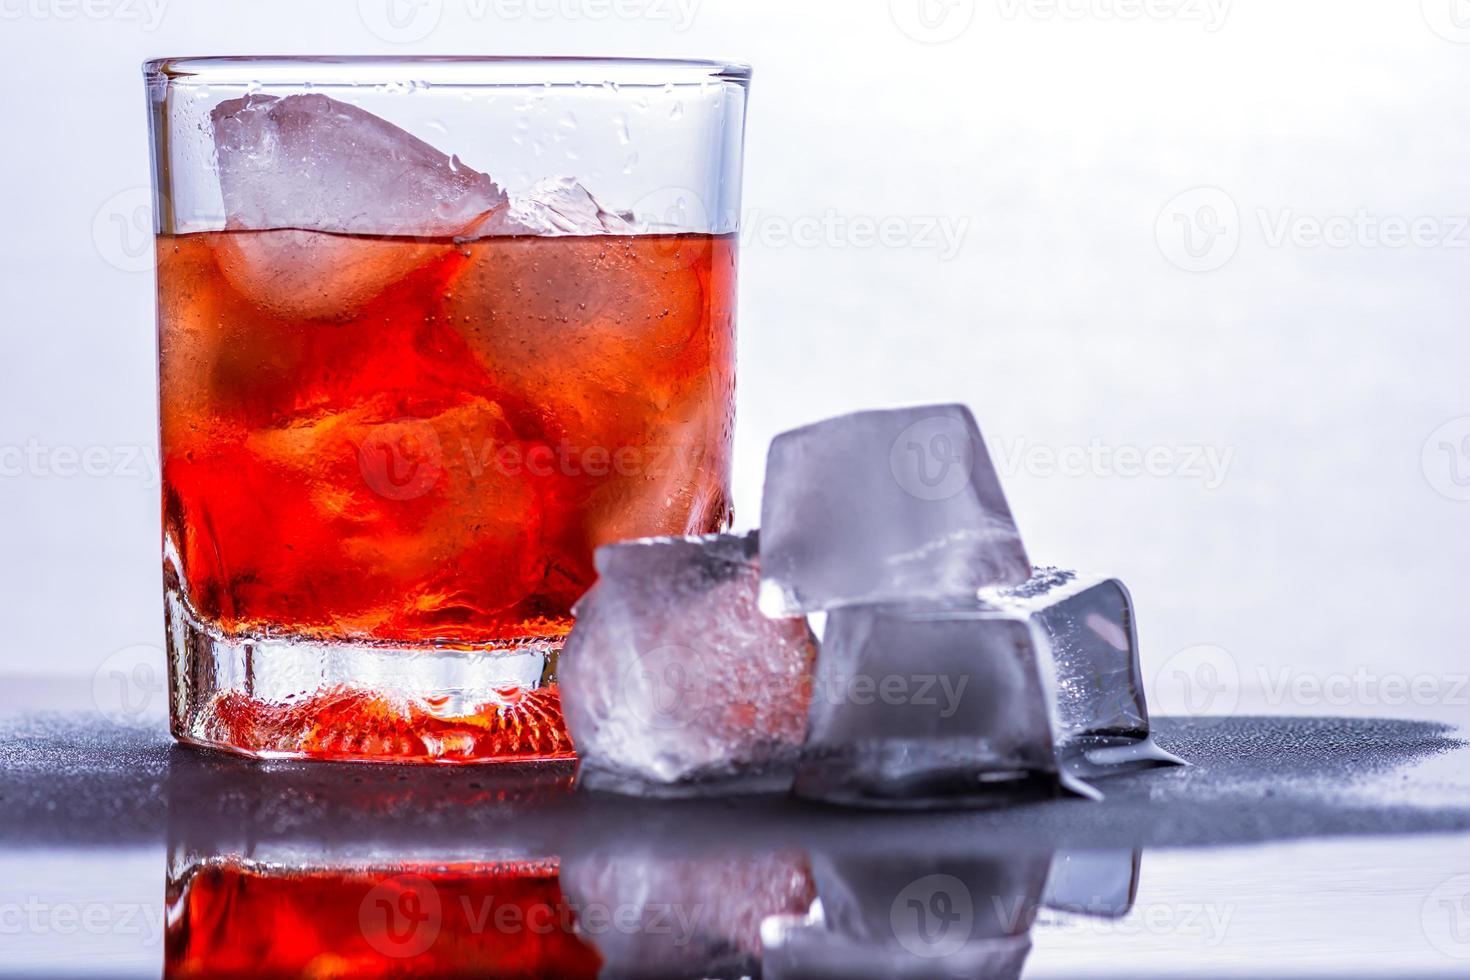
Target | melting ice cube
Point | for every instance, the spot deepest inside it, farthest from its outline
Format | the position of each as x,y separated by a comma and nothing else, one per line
672,680
554,206
918,705
315,163
299,175
898,505
1088,622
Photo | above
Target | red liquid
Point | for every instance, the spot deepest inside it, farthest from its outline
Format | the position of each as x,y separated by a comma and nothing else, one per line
406,442
507,921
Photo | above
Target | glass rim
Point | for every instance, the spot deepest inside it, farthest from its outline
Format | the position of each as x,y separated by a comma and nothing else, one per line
330,71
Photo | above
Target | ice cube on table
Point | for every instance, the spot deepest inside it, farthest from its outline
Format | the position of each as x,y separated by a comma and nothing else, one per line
929,705
695,915
1089,625
883,506
554,206
674,683
315,163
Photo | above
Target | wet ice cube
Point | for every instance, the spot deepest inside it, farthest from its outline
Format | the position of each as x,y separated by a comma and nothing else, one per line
917,705
1088,621
672,680
884,506
554,206
695,915
315,163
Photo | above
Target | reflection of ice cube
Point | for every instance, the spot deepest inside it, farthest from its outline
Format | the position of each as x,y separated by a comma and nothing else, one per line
1096,883
311,162
912,915
554,206
895,505
919,705
672,680
692,916
1089,625
803,952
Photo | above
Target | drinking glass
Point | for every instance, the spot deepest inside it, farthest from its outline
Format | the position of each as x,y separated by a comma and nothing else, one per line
430,331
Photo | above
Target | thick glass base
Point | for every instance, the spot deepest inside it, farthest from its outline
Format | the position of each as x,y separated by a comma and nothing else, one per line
271,697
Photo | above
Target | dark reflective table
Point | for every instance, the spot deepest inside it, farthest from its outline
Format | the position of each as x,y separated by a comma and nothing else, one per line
1295,847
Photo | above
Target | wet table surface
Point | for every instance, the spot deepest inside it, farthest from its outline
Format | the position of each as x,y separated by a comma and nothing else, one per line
1291,847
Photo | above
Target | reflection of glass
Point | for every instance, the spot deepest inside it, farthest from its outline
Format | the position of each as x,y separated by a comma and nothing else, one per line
353,872
240,918
399,409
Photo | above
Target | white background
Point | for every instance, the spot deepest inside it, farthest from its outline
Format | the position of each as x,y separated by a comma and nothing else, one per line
1052,140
